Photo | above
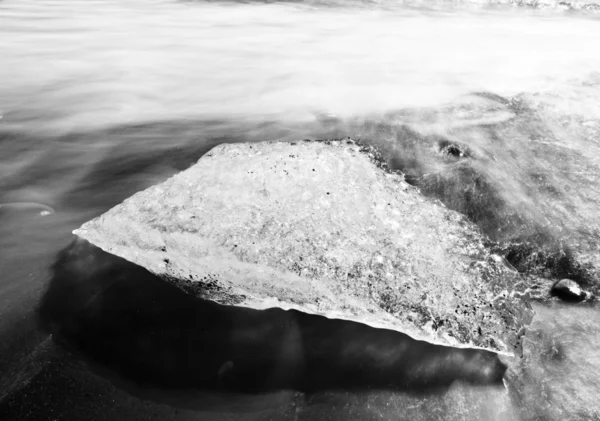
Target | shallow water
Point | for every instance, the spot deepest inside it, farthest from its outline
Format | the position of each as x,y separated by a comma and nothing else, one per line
100,99
560,380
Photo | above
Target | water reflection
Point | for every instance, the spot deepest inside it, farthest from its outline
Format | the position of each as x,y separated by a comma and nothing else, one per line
149,331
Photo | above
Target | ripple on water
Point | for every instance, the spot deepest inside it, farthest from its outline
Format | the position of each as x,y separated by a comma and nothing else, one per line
42,209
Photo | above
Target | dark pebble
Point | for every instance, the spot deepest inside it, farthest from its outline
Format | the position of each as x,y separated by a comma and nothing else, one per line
568,290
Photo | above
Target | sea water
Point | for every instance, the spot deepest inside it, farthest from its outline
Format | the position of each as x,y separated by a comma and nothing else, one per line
100,99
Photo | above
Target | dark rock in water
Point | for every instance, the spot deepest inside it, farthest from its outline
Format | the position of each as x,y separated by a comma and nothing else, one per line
454,149
569,290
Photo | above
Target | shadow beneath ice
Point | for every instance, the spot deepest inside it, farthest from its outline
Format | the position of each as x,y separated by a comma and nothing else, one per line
138,330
